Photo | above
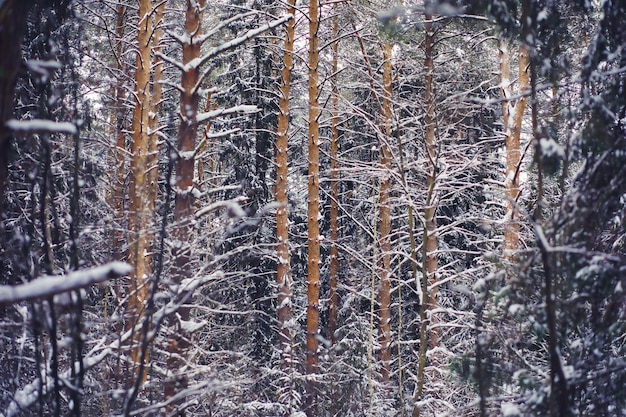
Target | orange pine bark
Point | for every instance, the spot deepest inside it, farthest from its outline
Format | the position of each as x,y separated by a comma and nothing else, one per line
138,187
512,134
384,290
156,104
283,272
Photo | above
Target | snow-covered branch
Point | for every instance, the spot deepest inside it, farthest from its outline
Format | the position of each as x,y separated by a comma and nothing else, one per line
41,126
252,33
28,395
223,25
52,285
234,209
203,117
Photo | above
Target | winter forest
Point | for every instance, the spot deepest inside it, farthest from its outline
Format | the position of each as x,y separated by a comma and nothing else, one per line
312,208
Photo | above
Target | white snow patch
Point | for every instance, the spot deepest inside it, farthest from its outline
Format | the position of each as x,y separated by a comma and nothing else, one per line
192,326
510,410
549,147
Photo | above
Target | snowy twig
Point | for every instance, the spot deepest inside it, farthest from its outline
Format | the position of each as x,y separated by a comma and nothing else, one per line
28,395
218,50
51,285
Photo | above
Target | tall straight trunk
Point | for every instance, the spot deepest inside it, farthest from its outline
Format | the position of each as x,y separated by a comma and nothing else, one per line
334,184
313,262
283,271
384,290
431,179
138,187
156,105
149,178
428,336
184,205
512,133
118,192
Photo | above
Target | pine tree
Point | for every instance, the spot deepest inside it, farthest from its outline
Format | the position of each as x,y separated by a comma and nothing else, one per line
313,241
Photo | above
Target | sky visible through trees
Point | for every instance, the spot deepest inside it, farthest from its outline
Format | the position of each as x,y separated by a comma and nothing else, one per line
313,208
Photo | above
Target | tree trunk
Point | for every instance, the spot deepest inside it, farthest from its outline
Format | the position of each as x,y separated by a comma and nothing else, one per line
334,184
431,179
142,252
283,272
313,262
512,133
156,104
138,188
384,291
184,204
428,336
119,147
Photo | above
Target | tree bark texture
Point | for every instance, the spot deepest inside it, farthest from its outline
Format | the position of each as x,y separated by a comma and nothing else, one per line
283,272
156,99
384,290
431,179
184,205
513,115
428,336
313,262
139,240
119,148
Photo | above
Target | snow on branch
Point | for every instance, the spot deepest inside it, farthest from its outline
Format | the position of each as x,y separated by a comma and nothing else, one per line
51,285
223,24
41,126
25,397
252,33
203,117
233,207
